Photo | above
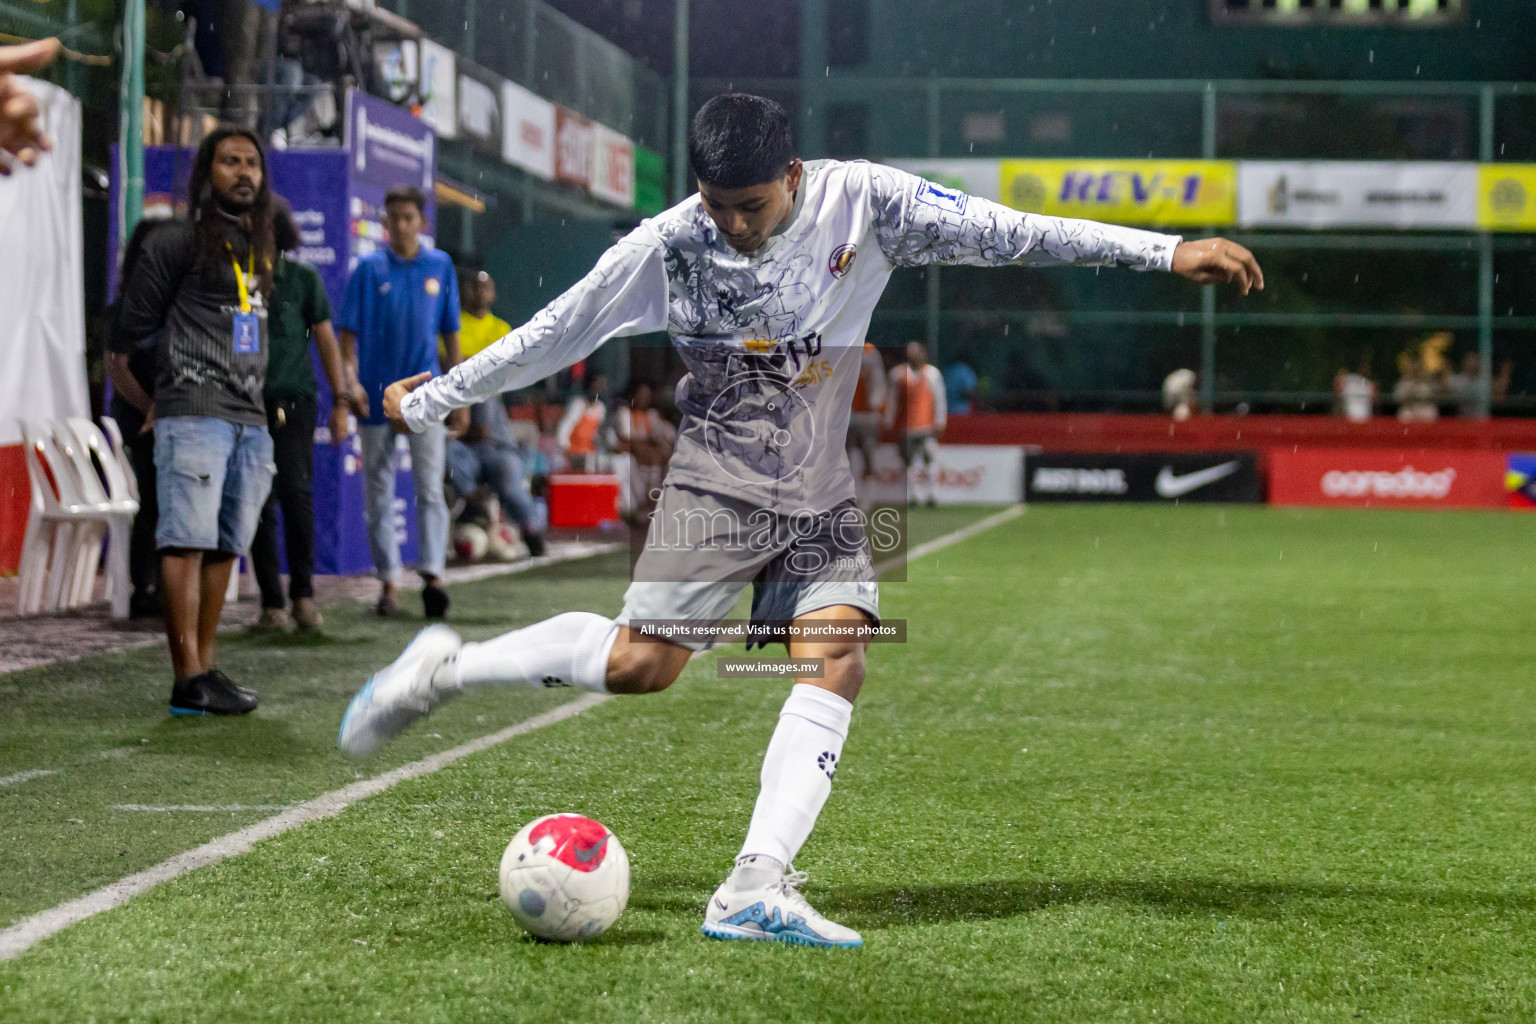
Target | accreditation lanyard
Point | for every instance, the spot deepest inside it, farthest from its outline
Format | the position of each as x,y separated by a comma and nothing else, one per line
247,325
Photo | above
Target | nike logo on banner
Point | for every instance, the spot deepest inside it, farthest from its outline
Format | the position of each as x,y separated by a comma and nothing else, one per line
1170,486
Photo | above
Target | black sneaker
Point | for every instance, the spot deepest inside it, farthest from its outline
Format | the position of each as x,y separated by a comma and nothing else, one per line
207,694
535,542
244,691
435,600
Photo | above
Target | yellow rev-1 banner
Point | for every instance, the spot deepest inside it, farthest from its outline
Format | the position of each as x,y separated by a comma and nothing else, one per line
1176,193
1506,197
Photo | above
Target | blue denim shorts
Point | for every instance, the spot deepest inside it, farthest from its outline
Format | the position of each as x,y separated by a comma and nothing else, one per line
212,477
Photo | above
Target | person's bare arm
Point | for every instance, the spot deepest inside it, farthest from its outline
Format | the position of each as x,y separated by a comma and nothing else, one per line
356,394
330,362
1218,261
127,385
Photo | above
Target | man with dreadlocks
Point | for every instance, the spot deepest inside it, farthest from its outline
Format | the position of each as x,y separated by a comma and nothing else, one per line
201,283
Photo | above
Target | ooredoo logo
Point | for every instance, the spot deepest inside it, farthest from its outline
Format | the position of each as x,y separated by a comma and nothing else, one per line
1405,483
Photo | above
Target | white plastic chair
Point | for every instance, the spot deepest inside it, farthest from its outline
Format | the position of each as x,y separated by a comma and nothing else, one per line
90,532
121,496
61,523
120,451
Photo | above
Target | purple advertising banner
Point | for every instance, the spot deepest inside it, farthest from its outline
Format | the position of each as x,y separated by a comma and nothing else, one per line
388,146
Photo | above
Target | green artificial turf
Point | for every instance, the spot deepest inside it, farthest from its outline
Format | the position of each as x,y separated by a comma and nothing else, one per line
1194,764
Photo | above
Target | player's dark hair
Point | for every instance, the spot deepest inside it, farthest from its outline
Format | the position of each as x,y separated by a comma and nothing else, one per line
738,140
406,194
215,229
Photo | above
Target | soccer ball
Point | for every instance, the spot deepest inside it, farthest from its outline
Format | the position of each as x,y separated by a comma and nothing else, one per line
470,541
565,878
504,545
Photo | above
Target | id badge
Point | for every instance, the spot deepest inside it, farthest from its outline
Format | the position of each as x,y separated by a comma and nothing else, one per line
247,334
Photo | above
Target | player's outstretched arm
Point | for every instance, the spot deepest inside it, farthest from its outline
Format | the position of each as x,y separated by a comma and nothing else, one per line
626,293
919,223
1218,261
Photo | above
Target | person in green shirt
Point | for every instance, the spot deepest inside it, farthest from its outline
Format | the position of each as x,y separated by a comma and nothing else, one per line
298,307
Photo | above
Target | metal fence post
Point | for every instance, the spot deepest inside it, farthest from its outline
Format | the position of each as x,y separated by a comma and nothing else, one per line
680,102
1208,292
1485,268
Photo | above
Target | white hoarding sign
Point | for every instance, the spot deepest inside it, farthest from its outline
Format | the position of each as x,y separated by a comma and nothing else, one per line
528,131
1338,194
965,474
973,176
612,171
439,99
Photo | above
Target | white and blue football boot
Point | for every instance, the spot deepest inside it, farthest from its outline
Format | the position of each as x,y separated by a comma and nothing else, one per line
400,694
775,913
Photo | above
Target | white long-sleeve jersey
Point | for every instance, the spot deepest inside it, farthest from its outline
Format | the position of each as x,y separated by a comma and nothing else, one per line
773,341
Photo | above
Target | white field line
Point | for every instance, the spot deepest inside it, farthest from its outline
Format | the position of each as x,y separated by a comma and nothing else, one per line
926,548
201,808
24,934
34,773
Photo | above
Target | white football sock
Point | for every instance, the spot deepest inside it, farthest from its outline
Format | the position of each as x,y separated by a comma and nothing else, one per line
567,650
797,773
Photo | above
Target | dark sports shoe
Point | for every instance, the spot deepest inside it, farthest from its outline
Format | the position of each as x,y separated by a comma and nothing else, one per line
244,691
386,608
207,694
535,542
435,600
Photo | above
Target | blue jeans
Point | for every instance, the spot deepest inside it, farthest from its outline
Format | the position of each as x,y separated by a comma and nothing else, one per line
499,468
431,509
211,479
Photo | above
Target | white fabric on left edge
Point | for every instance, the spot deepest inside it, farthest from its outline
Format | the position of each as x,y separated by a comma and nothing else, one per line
42,282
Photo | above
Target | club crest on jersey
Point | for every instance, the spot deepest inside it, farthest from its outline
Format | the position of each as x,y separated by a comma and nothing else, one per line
842,259
579,842
433,286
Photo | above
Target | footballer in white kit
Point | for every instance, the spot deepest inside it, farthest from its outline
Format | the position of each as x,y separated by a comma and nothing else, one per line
766,281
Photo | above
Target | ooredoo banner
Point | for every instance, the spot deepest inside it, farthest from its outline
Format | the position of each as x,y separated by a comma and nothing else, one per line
1387,478
965,474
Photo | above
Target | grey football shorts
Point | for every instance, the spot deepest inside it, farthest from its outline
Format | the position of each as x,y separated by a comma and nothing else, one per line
702,550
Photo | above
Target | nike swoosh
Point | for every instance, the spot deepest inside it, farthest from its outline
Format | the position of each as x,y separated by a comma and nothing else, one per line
720,903
585,856
1170,486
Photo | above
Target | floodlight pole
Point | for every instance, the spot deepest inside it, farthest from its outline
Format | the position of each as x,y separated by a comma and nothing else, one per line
130,120
680,102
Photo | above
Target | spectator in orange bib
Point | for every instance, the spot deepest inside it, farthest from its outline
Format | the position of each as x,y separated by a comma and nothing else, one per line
647,438
915,406
868,400
581,427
